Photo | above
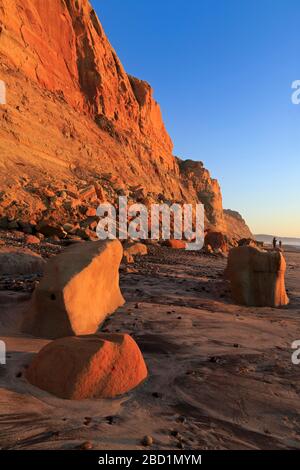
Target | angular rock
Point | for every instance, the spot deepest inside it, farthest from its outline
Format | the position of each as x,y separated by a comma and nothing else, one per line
217,241
257,277
79,290
96,366
20,261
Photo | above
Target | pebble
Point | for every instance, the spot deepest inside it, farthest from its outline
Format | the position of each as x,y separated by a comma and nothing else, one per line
86,445
147,441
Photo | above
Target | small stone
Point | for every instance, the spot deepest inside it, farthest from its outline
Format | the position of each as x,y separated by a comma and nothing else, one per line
32,240
86,445
91,212
147,441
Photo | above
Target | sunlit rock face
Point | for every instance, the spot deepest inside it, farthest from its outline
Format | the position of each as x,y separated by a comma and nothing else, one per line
74,117
257,277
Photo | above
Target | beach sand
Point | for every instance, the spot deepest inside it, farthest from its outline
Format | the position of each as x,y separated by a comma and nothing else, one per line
220,375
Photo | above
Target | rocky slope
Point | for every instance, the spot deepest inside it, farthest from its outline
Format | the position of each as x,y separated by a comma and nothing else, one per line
236,225
76,128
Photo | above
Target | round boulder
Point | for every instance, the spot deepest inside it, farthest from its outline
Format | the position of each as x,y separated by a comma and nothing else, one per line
94,366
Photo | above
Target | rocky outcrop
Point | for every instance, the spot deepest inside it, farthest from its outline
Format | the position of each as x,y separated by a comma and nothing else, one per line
79,289
76,125
257,277
97,366
198,182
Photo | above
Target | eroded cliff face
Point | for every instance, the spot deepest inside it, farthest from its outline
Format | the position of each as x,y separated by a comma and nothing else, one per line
60,44
74,119
236,225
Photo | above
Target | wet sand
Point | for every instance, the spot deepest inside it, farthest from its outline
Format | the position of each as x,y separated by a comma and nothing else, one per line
220,375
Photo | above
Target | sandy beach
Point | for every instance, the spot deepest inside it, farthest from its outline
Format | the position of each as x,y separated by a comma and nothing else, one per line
220,375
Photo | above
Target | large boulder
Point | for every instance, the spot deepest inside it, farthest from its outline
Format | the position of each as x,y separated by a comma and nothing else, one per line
79,289
257,277
96,366
217,240
20,261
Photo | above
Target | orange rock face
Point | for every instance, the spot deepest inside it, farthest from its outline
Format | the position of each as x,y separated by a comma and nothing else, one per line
75,119
257,277
80,288
97,366
62,46
236,225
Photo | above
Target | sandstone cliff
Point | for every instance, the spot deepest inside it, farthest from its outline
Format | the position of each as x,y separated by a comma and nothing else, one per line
236,225
75,119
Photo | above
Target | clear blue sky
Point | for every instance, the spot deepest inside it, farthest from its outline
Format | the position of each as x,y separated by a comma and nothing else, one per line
222,73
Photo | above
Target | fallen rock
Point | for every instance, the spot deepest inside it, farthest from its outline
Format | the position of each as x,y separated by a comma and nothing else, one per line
147,441
96,366
16,261
175,244
247,242
135,249
217,241
79,290
91,212
32,240
257,277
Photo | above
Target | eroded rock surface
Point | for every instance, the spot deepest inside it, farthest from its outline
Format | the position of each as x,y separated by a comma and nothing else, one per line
79,290
96,366
257,277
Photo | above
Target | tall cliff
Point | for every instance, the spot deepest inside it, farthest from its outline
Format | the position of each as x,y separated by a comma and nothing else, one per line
74,118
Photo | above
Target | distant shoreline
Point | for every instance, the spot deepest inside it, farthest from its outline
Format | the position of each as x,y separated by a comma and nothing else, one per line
286,247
